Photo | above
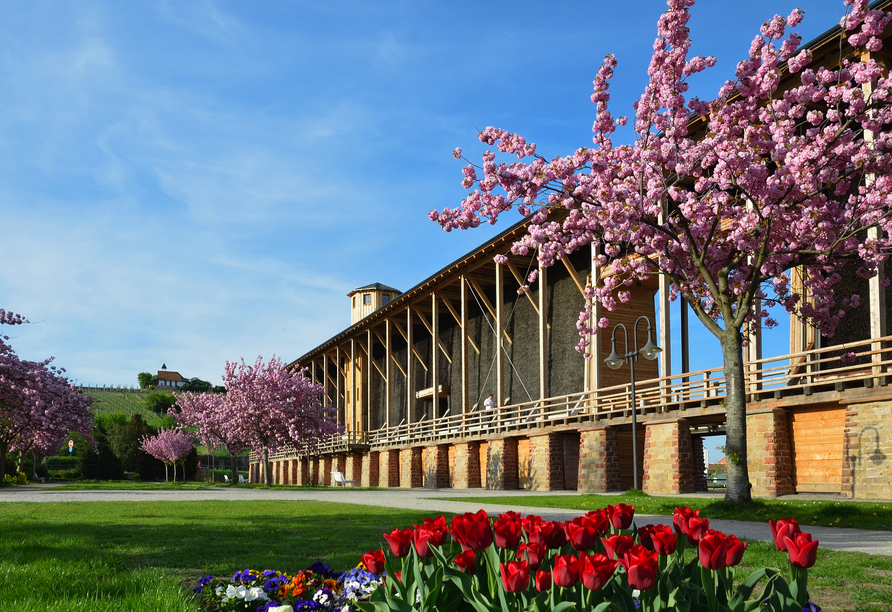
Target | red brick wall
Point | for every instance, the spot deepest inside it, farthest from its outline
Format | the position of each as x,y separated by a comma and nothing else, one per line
389,468
369,476
466,467
668,459
599,466
353,468
547,462
501,464
327,467
769,455
699,464
411,475
435,461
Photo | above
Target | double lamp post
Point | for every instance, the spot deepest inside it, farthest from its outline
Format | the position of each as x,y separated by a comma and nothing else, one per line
614,361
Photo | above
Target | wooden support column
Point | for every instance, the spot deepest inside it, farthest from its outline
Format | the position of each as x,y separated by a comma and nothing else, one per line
597,380
500,378
543,332
754,352
685,340
353,386
464,350
326,386
387,372
338,396
435,354
665,339
368,382
410,379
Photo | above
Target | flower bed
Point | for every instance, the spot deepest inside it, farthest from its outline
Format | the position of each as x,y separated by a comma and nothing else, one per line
599,561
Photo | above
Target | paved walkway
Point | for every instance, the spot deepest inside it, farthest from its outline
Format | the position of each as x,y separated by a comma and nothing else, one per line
426,500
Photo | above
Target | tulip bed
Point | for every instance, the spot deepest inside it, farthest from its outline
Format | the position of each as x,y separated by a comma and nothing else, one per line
600,561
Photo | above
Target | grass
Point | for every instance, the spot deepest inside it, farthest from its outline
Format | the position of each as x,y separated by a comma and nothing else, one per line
145,556
854,515
131,485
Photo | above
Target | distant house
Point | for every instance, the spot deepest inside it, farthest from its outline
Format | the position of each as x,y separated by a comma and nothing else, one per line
170,380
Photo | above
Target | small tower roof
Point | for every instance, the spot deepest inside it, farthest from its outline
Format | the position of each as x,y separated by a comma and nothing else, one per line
374,287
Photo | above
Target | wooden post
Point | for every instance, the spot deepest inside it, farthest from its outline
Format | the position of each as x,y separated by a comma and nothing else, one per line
754,352
499,316
368,383
597,379
435,361
464,351
353,385
387,372
665,340
410,369
338,395
543,334
685,343
326,385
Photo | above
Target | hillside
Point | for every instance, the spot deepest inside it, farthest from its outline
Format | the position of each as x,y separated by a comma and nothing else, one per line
127,401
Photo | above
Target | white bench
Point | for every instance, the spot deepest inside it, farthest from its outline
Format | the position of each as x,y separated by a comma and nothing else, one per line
242,479
338,480
40,478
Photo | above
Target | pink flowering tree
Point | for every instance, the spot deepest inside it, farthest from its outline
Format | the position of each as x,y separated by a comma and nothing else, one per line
39,406
207,413
274,408
171,446
725,197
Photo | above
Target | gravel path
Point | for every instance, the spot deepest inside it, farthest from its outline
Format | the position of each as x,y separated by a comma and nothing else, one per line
872,542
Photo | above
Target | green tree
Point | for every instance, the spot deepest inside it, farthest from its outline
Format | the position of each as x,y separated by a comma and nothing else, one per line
160,401
196,385
147,380
105,464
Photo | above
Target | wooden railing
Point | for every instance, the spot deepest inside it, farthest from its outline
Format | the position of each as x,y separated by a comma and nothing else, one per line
802,373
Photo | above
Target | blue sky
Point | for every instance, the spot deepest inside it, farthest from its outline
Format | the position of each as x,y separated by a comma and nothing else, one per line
191,182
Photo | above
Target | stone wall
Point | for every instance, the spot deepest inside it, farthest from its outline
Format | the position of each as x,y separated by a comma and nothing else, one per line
768,449
466,467
369,476
668,459
867,468
501,464
599,468
547,463
389,468
435,462
410,468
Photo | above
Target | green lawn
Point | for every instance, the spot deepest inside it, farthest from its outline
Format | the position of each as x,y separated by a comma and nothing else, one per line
855,515
145,556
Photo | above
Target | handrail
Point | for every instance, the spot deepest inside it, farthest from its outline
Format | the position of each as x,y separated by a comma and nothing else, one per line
796,372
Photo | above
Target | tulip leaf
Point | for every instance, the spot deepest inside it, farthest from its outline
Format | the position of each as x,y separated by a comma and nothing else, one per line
564,605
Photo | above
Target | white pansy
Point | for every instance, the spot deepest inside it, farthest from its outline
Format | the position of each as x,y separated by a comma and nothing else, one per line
255,593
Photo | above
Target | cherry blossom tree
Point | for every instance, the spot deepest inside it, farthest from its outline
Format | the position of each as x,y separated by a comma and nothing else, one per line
207,413
39,406
274,408
169,446
725,197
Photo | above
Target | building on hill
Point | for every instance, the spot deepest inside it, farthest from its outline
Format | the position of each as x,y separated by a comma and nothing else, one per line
408,379
170,380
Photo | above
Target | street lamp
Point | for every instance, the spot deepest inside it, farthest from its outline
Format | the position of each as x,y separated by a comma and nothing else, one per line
649,351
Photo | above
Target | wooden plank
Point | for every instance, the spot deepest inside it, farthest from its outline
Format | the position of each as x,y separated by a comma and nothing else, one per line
818,438
573,274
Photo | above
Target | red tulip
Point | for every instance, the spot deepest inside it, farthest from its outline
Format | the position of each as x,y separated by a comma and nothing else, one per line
529,523
543,581
582,533
374,561
712,550
641,568
549,533
465,561
565,572
472,531
621,515
425,538
512,515
682,522
783,528
506,532
600,519
595,570
735,549
532,554
515,576
664,540
400,540
616,545
697,528
802,550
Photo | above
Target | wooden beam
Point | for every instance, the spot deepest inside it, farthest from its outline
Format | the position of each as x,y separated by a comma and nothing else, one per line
543,332
522,281
405,336
500,377
463,323
385,341
368,382
573,274
597,375
369,353
435,370
387,369
489,306
430,330
353,386
457,318
410,382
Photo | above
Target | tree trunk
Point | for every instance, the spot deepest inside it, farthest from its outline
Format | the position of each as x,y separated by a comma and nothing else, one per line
21,465
165,471
266,475
738,481
232,474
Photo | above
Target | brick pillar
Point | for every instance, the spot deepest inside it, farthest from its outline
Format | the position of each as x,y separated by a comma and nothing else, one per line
769,457
668,458
699,464
276,469
599,468
252,472
315,471
353,468
389,468
867,454
411,475
466,467
303,471
369,477
501,464
339,464
546,463
327,467
435,462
